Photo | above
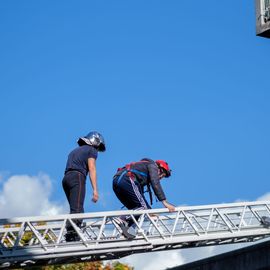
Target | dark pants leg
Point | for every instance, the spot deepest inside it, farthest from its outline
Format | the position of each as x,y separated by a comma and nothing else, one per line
130,194
74,187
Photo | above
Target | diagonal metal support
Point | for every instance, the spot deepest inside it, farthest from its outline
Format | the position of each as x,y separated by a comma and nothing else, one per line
41,241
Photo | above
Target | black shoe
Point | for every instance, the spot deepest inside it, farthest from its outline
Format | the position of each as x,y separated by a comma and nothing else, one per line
125,232
265,221
124,228
72,237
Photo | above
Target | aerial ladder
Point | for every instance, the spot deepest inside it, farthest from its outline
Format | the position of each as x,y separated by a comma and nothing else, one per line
33,241
262,18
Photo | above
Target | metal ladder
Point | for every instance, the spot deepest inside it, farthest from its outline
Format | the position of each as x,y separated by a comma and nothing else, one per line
40,240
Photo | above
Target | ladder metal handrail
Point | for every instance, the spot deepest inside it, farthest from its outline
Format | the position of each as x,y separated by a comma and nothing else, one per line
40,240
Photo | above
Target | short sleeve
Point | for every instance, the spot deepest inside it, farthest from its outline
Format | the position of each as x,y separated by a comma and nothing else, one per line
92,153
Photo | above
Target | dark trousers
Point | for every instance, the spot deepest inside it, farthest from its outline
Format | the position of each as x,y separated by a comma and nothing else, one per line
74,186
130,193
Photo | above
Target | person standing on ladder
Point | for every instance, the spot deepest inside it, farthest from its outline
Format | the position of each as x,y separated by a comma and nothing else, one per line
129,183
80,162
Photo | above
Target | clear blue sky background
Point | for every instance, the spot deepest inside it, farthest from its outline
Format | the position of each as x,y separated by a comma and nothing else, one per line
185,81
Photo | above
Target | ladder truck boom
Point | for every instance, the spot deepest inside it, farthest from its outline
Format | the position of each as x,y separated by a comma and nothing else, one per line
40,240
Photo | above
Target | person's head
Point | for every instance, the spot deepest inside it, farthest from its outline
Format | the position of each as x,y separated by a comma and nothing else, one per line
94,139
163,168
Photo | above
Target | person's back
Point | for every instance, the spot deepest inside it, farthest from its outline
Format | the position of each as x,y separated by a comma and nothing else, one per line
128,185
146,173
78,158
129,181
80,161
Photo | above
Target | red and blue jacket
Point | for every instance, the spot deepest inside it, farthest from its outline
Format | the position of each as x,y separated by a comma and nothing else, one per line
145,172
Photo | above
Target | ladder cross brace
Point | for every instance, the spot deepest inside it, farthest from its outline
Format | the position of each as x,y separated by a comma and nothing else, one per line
41,240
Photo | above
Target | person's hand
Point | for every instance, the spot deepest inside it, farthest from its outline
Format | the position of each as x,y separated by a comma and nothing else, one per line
95,196
170,207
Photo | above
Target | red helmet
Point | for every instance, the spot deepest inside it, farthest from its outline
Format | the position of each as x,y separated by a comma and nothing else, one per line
163,165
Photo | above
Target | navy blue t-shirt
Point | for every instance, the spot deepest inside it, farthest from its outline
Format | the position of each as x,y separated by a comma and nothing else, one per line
78,159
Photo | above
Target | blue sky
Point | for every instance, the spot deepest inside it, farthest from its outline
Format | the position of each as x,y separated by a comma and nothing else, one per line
185,81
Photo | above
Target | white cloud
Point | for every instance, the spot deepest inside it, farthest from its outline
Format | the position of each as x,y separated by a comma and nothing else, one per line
3,175
154,261
24,195
265,197
165,259
195,254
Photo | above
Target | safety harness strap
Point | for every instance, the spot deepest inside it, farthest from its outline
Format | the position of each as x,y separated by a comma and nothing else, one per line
127,169
130,171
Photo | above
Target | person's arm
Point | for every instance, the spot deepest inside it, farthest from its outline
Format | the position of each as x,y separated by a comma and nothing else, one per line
170,207
93,178
158,190
155,182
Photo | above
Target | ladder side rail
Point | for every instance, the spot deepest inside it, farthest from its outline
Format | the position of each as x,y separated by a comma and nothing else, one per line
127,212
52,236
78,231
231,220
268,208
140,227
225,223
190,223
176,221
61,233
256,215
9,240
170,242
20,234
163,225
204,219
242,221
231,216
37,234
155,225
101,228
141,220
210,218
90,231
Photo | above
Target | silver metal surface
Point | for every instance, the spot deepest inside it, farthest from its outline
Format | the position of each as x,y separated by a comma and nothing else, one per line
263,18
40,240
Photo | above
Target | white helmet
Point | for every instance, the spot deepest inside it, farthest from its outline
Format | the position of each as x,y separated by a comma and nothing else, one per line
94,139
